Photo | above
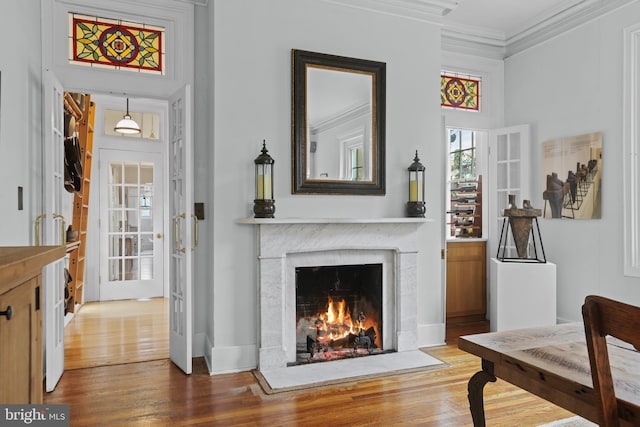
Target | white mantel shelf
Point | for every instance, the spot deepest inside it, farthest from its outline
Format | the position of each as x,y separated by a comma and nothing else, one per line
268,221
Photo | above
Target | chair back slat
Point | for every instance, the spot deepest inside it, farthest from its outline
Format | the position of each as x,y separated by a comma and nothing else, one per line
602,317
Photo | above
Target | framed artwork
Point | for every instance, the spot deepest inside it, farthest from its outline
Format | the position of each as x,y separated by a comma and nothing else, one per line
572,174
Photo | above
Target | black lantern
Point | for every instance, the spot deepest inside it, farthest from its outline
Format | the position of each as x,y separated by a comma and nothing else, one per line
415,205
264,204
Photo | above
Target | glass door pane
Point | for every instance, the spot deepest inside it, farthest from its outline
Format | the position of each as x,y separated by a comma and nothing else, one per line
130,219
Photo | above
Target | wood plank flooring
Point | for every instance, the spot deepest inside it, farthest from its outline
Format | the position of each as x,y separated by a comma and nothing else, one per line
156,393
117,332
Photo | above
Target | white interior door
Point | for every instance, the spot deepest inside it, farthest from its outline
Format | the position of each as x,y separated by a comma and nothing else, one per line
509,156
50,227
185,233
131,223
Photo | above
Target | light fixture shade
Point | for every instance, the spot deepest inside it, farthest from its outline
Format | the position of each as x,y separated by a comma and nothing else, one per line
127,125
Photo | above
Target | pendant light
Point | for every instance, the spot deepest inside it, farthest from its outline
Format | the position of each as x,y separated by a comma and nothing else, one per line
127,125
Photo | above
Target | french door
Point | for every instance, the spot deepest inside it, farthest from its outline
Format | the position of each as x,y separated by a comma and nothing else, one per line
509,150
185,228
131,224
50,228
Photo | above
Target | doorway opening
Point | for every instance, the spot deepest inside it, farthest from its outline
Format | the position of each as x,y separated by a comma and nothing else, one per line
466,204
124,315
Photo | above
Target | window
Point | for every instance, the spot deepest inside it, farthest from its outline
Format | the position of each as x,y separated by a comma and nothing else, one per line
459,92
462,154
356,163
464,201
115,44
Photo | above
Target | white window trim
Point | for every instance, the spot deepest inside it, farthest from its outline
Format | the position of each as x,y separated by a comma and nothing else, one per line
348,141
631,147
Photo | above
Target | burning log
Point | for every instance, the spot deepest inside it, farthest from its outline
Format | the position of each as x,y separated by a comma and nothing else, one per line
314,346
365,339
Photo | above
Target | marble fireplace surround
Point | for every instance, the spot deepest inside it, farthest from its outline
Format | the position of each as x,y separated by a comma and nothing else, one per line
284,244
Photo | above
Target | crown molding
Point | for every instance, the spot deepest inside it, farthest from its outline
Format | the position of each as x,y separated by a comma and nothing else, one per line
196,2
562,22
486,42
493,44
481,44
430,11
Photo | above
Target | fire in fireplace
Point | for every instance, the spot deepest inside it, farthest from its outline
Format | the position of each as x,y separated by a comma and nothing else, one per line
338,312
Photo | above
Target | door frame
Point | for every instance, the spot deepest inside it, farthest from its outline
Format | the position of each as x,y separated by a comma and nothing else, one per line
102,141
177,17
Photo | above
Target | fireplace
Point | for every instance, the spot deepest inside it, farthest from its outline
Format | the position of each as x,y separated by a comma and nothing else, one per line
338,312
286,247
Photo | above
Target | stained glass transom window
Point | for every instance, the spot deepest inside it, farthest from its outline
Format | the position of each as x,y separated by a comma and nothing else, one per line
116,44
459,92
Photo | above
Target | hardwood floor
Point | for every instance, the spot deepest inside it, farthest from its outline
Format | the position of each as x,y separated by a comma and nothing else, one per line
156,393
117,332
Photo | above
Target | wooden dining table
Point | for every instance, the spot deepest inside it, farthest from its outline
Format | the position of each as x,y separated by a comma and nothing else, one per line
552,363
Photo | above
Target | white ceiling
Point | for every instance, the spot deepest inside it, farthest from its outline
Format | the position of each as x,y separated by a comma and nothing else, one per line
504,18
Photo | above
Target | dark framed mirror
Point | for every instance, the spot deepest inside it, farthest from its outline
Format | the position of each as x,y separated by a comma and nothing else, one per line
338,124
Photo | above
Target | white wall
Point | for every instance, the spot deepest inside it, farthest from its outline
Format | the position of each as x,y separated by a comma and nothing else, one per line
252,86
20,119
568,86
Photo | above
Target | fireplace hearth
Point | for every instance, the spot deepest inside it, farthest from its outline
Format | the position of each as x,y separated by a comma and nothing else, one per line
338,312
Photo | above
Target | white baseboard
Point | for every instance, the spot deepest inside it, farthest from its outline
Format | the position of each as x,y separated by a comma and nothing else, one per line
430,335
226,360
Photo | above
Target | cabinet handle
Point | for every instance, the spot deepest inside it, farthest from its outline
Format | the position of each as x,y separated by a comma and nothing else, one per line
8,312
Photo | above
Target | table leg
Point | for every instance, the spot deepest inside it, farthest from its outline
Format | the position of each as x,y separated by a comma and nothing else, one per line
475,388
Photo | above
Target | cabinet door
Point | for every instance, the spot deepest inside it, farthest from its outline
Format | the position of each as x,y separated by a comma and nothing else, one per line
20,346
466,279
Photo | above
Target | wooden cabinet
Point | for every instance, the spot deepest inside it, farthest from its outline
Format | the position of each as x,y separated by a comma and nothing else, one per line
466,281
465,213
21,295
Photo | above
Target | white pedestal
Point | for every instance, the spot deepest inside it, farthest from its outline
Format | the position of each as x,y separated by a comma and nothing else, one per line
522,295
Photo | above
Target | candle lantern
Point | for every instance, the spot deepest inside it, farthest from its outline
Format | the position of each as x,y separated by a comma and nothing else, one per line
264,204
415,205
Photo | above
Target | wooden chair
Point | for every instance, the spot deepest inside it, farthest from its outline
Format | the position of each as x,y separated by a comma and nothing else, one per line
602,317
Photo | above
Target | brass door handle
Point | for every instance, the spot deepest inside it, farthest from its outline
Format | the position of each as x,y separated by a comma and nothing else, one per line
195,232
176,241
38,219
63,234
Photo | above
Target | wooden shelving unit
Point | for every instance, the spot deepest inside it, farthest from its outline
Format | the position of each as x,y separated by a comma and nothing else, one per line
84,115
465,215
